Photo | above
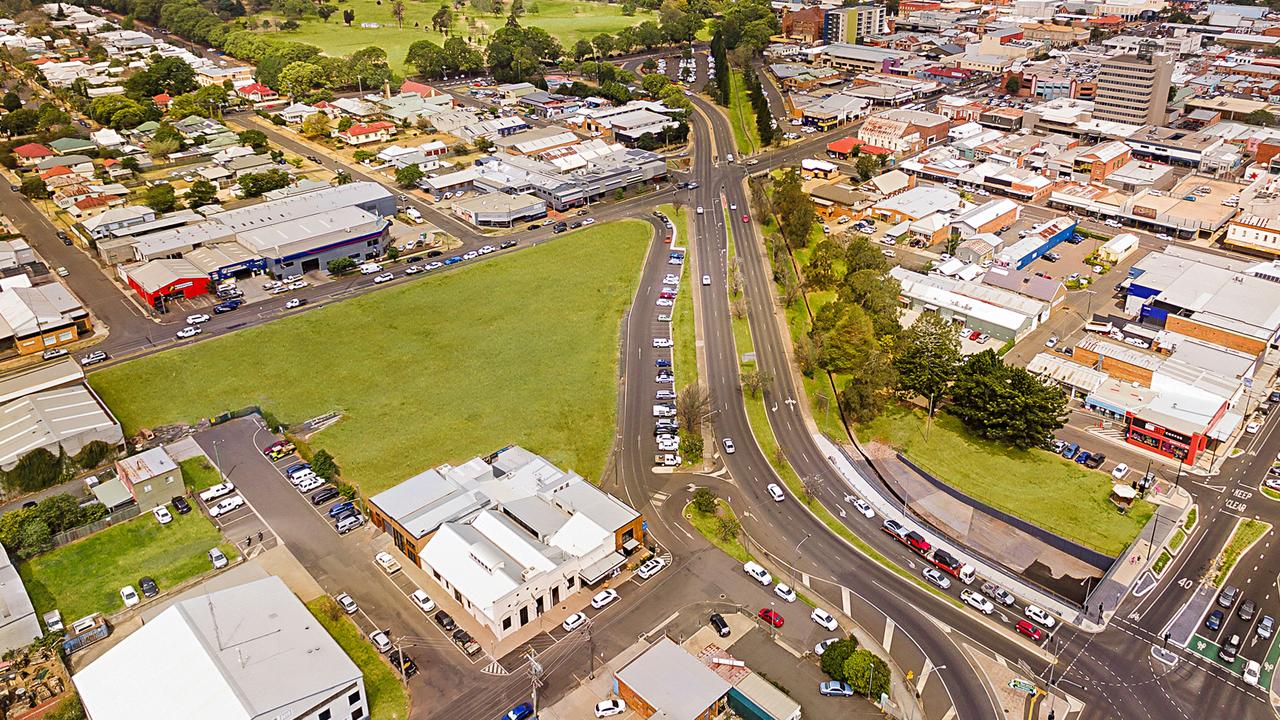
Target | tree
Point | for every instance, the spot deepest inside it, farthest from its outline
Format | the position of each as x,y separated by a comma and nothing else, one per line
1260,117
443,19
397,12
342,178
348,17
793,208
1013,84
316,125
338,266
255,139
59,512
834,657
727,528
693,404
582,49
326,10
20,122
35,538
36,470
322,463
160,198
297,79
755,381
704,501
866,673
867,166
820,272
255,184
34,188
603,44
927,357
427,58
409,175
167,75
1006,404
461,56
12,101
158,148
202,193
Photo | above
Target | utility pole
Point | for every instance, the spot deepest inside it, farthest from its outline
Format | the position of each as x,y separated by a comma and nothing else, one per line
591,649
535,676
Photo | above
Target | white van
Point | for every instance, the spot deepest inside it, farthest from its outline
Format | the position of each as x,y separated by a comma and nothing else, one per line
370,268
758,572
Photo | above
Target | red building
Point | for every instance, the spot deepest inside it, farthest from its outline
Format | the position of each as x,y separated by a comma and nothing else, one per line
167,278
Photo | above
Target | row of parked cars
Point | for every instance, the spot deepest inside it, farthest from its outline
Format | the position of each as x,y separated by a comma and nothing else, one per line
1229,650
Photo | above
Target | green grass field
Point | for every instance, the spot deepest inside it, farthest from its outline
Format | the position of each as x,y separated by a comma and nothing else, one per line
517,349
86,576
199,474
742,116
1037,486
566,20
387,697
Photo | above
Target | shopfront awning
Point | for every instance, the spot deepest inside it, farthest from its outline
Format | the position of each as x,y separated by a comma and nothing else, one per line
598,570
630,545
1226,427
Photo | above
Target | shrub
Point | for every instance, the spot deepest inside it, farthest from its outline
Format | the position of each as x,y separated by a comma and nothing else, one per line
833,660
36,470
704,501
93,454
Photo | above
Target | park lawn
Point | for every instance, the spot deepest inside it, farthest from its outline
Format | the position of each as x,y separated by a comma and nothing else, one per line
708,524
683,331
566,20
742,117
86,576
1037,486
199,474
519,349
387,697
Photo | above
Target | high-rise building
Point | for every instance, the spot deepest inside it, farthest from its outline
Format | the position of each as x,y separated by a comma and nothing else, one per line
1134,88
848,25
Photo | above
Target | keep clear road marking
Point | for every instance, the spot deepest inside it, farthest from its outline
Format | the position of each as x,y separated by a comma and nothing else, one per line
888,633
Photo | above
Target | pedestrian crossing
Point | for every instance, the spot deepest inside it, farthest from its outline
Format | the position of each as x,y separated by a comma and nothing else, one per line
659,498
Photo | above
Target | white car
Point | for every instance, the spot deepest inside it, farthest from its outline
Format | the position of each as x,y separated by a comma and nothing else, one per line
1252,671
1252,427
434,265
162,515
187,332
663,302
574,621
756,571
822,646
218,491
729,449
388,564
651,568
225,506
1120,471
864,508
667,443
706,279
310,484
589,221
380,641
609,708
197,319
298,284
296,302
603,598
670,279
699,209
424,603
290,278
347,604
977,602
470,255
785,592
936,577
824,619
662,342
1040,616
776,492
129,596
384,277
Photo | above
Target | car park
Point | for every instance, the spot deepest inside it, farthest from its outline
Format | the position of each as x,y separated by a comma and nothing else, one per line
226,505
785,592
771,616
603,598
574,621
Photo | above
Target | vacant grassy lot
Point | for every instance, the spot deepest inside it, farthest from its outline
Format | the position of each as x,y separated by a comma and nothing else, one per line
516,349
86,576
1039,487
199,474
566,20
387,698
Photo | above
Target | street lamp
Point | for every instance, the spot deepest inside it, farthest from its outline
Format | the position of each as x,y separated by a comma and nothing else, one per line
795,568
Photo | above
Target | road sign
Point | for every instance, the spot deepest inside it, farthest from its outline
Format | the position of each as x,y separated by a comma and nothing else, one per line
1023,686
644,526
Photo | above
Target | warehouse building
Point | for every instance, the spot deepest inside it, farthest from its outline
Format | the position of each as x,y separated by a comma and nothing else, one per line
160,281
50,406
1041,239
1002,314
500,209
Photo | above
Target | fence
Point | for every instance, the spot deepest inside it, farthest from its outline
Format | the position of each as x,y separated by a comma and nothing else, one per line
69,536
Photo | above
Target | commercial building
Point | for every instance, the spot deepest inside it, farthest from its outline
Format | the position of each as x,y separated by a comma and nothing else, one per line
851,24
509,535
151,477
860,58
1039,240
990,217
248,652
1002,314
160,281
50,406
500,209
917,203
1045,289
671,684
904,131
562,182
1134,89
18,622
1255,233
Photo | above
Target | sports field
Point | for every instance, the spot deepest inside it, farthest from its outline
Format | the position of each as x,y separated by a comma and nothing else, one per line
515,349
566,20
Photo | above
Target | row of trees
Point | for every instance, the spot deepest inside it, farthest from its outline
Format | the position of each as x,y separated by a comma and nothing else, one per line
764,118
29,531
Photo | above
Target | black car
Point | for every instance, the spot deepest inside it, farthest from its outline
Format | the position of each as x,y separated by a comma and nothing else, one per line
559,228
662,362
575,224
1247,610
510,243
181,505
29,504
434,253
717,622
148,587
584,211
65,238
1095,461
462,637
533,227
324,495
443,620
1274,397
226,307
403,663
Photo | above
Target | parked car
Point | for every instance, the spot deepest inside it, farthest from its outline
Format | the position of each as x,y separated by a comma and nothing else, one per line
225,506
603,598
445,621
94,358
129,596
609,708
324,495
380,640
347,604
835,688
1214,620
388,564
523,711
651,568
771,616
217,558
785,592
718,622
53,354
180,504
148,587
162,514
574,621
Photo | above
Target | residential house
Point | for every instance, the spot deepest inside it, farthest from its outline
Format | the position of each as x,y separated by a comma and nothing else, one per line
101,226
365,133
257,92
30,154
296,113
242,165
71,145
152,478
38,318
216,75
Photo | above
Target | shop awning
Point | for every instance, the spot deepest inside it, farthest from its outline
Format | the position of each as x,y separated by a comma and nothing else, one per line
596,571
630,544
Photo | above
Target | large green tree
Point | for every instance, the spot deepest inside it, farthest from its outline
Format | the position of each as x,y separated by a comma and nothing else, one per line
298,79
927,357
794,209
867,674
1004,403
836,654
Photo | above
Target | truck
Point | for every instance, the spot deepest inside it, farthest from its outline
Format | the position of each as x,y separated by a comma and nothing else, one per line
953,566
906,536
664,410
997,593
85,632
666,460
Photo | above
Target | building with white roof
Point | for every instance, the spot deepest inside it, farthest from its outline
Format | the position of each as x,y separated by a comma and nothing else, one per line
990,217
996,312
510,534
249,652
50,406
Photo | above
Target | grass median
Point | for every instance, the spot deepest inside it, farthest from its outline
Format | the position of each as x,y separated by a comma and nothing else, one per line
1037,486
683,328
715,527
521,348
86,576
387,697
742,117
1246,533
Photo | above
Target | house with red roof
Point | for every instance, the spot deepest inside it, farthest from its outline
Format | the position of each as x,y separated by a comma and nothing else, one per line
61,176
162,100
257,92
96,205
364,133
409,86
32,153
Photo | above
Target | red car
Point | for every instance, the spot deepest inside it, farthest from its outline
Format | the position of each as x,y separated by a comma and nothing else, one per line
975,335
1026,628
772,617
746,219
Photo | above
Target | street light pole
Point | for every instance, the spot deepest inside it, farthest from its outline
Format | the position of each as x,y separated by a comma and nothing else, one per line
795,568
